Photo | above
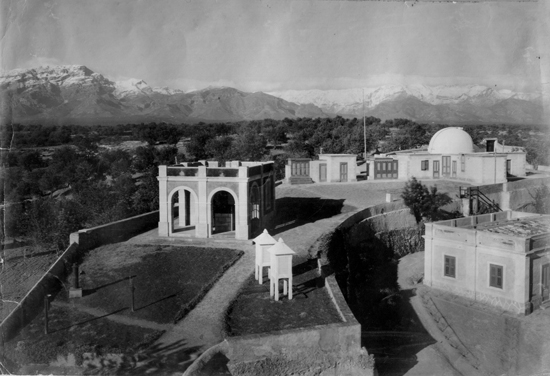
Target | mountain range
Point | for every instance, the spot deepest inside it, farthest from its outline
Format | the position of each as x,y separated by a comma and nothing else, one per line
444,104
75,94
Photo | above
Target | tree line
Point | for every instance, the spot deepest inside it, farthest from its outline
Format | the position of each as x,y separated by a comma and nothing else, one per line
105,185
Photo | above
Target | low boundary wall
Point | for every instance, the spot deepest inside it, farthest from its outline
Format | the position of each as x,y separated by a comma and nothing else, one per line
33,302
50,283
115,231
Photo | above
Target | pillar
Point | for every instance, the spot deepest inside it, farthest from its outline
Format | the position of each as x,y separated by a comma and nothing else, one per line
202,228
182,204
163,226
241,212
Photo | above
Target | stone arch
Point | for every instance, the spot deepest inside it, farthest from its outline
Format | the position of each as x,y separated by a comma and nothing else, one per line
190,209
219,217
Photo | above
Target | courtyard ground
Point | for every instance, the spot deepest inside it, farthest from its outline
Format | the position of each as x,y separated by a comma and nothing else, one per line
327,205
169,282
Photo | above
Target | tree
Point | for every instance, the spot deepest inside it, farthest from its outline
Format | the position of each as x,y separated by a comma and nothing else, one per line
220,148
196,146
249,144
541,200
423,203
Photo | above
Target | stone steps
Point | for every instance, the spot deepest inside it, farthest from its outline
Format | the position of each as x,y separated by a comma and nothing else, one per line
300,180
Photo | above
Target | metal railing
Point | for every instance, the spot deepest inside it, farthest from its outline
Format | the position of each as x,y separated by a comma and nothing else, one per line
478,202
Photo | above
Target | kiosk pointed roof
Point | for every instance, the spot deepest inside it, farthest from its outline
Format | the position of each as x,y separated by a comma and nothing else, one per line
281,248
264,238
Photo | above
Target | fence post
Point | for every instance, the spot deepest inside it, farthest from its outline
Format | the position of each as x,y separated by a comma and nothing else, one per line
46,309
132,289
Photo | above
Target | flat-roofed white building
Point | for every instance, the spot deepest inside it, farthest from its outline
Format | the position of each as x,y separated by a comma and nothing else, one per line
450,155
501,259
329,168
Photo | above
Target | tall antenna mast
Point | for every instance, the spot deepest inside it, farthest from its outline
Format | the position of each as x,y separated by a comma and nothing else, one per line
364,128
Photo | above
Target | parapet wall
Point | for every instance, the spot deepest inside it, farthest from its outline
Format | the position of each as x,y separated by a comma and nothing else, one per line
33,302
115,231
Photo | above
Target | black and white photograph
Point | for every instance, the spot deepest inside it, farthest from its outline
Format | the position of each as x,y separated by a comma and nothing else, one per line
275,187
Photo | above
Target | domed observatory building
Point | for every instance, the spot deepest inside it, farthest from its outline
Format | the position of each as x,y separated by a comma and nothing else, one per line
450,155
206,199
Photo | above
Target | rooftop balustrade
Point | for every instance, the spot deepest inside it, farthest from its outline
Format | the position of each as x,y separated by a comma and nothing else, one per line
235,171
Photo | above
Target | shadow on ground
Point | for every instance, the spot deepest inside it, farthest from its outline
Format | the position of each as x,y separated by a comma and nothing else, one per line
296,211
155,360
367,273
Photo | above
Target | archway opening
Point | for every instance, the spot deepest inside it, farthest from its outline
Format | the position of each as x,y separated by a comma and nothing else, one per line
183,211
223,212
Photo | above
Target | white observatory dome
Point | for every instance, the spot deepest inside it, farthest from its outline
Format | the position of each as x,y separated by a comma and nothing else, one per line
452,140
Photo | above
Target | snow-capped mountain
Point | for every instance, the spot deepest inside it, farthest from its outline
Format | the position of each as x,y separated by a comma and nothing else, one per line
76,94
474,103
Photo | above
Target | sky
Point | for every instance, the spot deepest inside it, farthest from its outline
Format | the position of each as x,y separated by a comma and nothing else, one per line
272,45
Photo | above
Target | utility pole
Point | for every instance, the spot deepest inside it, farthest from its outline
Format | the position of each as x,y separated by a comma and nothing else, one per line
364,128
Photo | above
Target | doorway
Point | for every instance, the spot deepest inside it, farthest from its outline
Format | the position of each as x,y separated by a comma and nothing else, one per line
446,166
223,212
322,172
545,282
343,171
436,169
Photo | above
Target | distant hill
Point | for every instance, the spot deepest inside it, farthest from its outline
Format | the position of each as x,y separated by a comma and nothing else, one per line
75,94
440,104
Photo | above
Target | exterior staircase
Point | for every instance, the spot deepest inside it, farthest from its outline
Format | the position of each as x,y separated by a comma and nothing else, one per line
300,180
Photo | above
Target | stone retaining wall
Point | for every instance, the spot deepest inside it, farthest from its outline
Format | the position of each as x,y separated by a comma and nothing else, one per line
334,348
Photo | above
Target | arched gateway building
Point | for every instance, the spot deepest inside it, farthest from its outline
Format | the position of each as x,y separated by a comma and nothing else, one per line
205,199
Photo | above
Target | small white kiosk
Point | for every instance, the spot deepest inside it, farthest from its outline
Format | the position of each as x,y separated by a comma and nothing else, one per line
280,268
263,242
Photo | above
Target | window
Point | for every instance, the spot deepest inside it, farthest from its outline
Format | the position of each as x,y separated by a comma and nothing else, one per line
450,266
268,197
508,166
425,165
255,201
462,163
495,276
